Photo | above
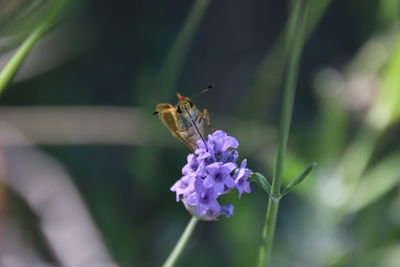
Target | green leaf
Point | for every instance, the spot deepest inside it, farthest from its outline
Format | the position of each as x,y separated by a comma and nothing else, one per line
376,183
261,181
386,109
294,164
298,179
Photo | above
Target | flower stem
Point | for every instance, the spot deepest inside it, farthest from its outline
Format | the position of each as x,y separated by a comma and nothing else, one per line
181,243
294,46
9,70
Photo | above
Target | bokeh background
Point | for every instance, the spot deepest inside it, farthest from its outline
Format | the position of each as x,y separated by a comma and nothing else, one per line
87,168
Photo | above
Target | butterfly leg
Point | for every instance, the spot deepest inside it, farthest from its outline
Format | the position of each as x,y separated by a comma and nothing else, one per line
204,115
181,130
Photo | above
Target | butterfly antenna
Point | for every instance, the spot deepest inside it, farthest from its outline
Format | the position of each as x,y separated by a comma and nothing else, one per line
202,138
203,91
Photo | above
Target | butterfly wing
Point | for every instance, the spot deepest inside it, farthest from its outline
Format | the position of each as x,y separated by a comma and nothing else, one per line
171,119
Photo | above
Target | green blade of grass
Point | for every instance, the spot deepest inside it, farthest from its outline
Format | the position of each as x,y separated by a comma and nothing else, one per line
173,63
12,66
377,182
270,71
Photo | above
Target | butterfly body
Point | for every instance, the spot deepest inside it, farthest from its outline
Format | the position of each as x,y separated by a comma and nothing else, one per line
184,121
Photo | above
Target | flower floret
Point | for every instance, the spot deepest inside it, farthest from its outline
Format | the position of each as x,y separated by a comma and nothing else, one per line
210,172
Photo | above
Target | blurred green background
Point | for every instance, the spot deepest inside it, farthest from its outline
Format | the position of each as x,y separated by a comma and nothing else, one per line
83,100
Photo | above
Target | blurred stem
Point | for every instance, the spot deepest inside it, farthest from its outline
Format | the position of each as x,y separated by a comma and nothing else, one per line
358,154
173,63
181,243
18,58
162,88
296,38
355,161
382,114
388,12
271,68
333,122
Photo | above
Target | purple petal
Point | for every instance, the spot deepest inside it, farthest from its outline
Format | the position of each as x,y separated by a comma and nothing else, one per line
243,164
247,188
229,181
201,210
217,135
208,182
186,169
229,156
213,168
198,185
240,173
219,188
175,188
201,170
229,142
229,166
192,199
190,157
214,205
246,174
227,210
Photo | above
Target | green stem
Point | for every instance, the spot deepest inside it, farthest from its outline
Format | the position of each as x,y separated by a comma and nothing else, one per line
18,58
296,38
181,243
264,254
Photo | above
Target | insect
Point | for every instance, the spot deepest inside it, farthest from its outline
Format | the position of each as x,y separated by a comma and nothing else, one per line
184,120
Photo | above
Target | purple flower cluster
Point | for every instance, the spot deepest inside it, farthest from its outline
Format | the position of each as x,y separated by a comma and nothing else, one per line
209,173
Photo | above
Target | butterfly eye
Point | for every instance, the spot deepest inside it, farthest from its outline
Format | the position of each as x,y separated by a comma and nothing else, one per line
179,109
190,103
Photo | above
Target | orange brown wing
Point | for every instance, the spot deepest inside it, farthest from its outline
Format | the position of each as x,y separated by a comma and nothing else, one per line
169,117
